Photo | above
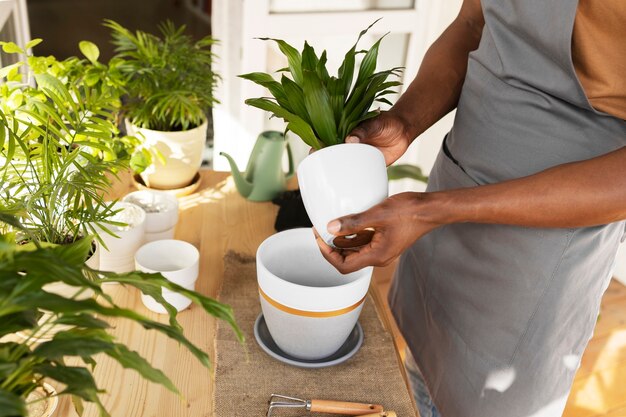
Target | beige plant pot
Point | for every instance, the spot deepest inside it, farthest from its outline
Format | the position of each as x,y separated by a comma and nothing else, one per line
46,401
182,155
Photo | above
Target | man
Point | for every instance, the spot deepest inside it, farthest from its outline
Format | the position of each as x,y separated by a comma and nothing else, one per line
506,256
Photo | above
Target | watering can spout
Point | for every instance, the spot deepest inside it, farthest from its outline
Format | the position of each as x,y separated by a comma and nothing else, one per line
243,186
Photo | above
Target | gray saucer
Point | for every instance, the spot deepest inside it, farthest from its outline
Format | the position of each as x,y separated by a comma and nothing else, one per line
345,352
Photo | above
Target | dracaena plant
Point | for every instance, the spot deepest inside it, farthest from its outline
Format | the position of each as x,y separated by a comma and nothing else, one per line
169,80
322,109
70,356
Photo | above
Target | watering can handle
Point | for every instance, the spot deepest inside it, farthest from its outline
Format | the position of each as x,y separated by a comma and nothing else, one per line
290,158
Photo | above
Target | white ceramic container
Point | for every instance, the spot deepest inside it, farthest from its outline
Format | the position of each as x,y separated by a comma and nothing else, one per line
118,256
161,213
182,152
340,180
177,261
43,401
309,307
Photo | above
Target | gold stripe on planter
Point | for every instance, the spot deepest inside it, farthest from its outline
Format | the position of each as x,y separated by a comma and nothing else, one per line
316,314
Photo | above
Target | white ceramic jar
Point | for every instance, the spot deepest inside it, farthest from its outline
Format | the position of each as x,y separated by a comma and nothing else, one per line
118,255
178,262
161,213
309,307
339,180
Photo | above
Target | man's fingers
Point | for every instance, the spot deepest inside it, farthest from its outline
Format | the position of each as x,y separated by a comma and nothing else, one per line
347,225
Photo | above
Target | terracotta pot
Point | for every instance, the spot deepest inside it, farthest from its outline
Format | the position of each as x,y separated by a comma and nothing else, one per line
181,150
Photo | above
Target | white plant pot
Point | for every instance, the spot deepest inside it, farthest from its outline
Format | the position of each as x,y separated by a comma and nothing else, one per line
340,180
182,152
178,262
161,212
67,291
43,401
118,256
309,307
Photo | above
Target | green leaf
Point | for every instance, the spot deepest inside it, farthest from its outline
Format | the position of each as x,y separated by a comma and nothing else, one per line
368,64
397,172
11,48
295,95
295,123
78,381
12,405
132,360
267,81
32,43
90,50
322,72
4,71
317,102
309,59
293,58
68,344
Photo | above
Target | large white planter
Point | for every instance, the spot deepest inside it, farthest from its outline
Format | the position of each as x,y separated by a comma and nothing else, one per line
309,307
182,152
340,180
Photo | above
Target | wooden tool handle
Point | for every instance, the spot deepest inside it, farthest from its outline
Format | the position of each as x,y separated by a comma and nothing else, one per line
382,414
340,407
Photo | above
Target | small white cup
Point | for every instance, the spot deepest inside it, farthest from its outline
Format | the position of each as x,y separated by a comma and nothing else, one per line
161,212
119,252
177,261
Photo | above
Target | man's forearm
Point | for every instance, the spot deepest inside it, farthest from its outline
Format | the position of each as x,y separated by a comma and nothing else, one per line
436,89
578,194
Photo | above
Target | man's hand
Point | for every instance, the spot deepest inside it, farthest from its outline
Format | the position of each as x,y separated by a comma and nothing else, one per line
397,222
387,131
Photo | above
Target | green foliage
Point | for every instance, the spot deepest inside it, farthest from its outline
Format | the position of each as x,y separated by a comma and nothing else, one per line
25,270
59,140
320,108
169,80
94,96
401,171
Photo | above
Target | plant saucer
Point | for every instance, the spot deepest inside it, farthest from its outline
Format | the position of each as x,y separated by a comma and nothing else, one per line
350,347
177,192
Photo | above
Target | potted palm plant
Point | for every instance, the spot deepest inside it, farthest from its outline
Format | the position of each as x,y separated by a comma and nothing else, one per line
338,178
25,364
57,142
169,85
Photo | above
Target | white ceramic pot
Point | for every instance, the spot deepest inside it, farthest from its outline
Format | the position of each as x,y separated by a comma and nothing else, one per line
182,152
340,180
118,256
309,307
177,261
161,213
43,401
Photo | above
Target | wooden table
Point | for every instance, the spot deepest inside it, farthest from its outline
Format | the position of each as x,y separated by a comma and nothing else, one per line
216,219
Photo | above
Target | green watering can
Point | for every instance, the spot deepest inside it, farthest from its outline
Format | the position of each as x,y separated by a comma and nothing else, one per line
264,178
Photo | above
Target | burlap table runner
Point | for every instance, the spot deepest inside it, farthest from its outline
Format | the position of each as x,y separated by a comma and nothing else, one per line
247,376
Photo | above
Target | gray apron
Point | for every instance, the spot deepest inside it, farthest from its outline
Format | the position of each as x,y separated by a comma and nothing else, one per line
497,317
